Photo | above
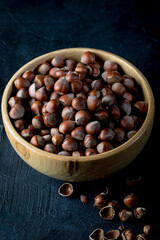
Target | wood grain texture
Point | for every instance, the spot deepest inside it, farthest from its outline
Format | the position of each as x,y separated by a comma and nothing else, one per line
81,168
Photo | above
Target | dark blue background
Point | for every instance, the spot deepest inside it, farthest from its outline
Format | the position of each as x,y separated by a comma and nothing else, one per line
30,207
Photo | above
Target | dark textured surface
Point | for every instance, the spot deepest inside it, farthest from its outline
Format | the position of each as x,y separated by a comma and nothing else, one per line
30,207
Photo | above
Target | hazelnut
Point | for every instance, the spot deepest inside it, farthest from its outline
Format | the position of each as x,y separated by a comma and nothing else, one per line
131,200
32,90
90,151
36,107
128,235
37,122
128,96
54,95
70,63
93,103
20,124
21,83
110,66
45,132
88,57
126,107
106,134
66,99
53,105
29,75
131,133
97,234
90,141
114,204
23,93
108,97
118,88
76,86
37,141
115,111
66,189
50,119
128,83
54,130
140,212
68,113
104,147
93,128
57,62
77,153
57,139
49,147
49,82
17,111
60,73
27,133
52,71
61,86
79,103
66,126
112,234
127,123
97,84
82,117
41,94
72,76
100,201
120,134
43,68
15,100
125,215
141,107
70,144
64,153
85,87
94,93
78,133
83,199
39,80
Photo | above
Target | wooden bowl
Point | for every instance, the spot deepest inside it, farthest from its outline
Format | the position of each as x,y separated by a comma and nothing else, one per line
88,167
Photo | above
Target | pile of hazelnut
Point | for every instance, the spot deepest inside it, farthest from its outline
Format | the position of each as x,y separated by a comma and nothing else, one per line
77,108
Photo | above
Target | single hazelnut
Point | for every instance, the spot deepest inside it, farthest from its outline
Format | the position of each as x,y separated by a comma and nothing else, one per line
61,86
49,82
120,134
79,103
20,124
82,117
114,204
140,212
93,103
131,133
128,83
127,123
44,68
70,144
52,71
90,141
66,99
128,96
60,73
68,113
54,130
110,66
27,133
94,93
36,107
17,111
147,229
47,138
72,76
126,107
66,126
39,80
104,147
37,122
53,105
108,98
141,107
93,127
37,141
107,212
50,119
57,139
128,235
70,63
32,90
83,199
88,57
64,153
100,201
23,93
21,83
15,100
125,215
131,200
97,84
57,62
76,86
106,134
41,94
49,147
85,87
90,151
78,133
29,75
118,88
45,132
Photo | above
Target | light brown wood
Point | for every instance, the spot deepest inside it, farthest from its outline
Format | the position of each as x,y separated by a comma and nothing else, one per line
81,168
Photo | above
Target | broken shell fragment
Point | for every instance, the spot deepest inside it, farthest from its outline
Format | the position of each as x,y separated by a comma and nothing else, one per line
65,189
112,235
107,212
97,234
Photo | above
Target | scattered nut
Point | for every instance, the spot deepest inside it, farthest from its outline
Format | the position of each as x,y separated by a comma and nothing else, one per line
66,189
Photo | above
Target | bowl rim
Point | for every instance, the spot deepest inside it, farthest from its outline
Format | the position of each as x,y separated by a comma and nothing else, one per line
30,147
